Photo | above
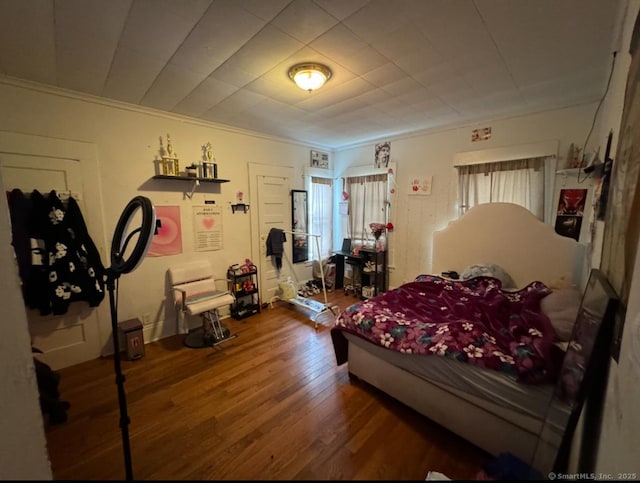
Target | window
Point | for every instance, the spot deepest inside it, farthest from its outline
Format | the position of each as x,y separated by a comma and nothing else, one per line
320,215
520,181
368,203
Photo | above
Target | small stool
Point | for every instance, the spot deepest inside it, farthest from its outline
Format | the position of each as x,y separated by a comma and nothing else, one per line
134,339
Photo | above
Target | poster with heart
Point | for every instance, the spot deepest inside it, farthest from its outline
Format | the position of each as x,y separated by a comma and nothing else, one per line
207,221
168,240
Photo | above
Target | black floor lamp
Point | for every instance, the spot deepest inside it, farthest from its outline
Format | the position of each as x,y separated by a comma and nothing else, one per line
123,261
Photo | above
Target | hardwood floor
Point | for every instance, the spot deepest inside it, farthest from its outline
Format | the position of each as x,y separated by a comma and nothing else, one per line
270,404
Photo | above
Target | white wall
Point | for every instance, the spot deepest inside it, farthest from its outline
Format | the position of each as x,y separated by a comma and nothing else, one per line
127,141
620,440
432,154
23,453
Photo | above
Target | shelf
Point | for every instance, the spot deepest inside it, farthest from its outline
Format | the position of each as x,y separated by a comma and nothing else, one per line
247,302
191,178
239,206
240,275
243,311
195,180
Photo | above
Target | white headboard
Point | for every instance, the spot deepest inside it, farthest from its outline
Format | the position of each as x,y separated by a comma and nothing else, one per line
510,236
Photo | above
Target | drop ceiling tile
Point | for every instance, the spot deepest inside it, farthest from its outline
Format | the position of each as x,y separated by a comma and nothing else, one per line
580,86
131,75
347,90
341,9
419,59
552,37
27,48
206,95
420,96
362,61
85,50
304,20
339,108
171,86
489,79
261,9
452,88
283,90
232,75
385,74
221,32
74,19
437,74
404,87
402,41
376,20
240,101
372,96
338,42
84,69
156,28
268,47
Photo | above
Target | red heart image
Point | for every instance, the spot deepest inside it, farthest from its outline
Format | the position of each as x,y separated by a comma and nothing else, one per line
208,223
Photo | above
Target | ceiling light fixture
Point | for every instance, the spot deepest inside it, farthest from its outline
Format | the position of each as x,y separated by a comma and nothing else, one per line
310,76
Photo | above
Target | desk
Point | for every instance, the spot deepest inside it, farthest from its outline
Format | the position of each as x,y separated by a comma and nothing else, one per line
373,269
340,259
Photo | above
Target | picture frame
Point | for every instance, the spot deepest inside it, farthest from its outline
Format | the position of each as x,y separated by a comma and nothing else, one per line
319,159
382,155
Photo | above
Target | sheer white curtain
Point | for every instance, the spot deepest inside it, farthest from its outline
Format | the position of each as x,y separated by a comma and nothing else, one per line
321,219
519,181
367,204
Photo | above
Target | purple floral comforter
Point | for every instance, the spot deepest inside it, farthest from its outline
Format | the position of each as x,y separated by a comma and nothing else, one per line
472,321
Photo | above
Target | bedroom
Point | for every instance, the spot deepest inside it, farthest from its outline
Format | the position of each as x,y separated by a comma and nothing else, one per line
125,141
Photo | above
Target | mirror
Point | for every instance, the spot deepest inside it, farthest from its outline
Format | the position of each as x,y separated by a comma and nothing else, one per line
299,221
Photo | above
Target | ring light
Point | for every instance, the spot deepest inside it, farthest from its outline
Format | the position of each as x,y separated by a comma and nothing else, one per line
120,265
118,246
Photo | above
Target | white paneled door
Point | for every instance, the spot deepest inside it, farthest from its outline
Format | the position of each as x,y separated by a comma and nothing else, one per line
271,194
45,164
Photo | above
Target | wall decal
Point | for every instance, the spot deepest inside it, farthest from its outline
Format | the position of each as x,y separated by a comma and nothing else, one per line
168,240
421,185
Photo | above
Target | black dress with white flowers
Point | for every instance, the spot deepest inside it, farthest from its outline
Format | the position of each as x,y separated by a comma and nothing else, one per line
65,263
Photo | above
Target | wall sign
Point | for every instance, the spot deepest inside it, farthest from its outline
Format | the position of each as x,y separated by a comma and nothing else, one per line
207,223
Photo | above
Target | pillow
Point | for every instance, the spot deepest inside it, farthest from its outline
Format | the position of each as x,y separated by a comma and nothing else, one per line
488,270
561,306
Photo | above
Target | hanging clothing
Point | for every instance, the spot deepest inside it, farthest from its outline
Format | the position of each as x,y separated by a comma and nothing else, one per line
64,264
19,209
275,245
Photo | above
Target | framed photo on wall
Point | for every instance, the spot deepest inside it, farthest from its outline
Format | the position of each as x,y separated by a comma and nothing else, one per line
382,155
319,159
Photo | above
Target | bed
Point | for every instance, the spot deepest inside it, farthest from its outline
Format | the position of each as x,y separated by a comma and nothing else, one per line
455,368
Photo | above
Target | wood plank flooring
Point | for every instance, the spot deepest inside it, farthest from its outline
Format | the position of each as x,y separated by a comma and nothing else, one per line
270,404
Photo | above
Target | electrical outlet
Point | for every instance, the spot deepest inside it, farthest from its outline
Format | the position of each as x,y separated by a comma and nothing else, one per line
146,318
